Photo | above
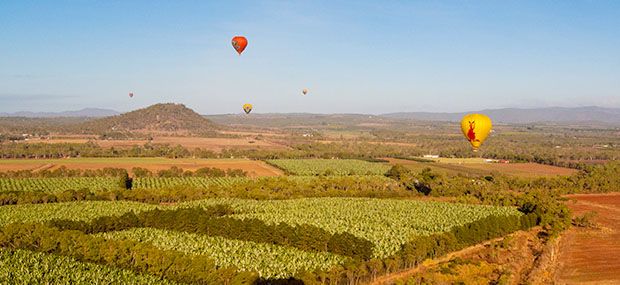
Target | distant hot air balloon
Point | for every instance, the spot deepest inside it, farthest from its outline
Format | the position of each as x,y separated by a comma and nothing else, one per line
247,108
476,128
239,43
130,94
305,91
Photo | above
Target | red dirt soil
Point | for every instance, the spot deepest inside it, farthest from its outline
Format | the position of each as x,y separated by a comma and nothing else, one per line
592,256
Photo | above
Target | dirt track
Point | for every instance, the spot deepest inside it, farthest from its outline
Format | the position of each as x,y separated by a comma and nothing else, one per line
592,256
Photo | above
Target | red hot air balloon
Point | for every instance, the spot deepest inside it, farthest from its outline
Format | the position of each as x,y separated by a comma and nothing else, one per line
239,43
130,94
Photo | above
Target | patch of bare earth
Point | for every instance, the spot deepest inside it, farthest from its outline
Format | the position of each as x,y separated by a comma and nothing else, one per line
592,255
511,259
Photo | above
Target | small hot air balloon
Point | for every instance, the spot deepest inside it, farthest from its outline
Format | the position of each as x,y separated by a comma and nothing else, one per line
305,91
476,128
130,94
247,108
239,43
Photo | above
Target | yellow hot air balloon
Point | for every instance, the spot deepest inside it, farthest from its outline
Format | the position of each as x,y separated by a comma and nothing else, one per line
247,108
476,128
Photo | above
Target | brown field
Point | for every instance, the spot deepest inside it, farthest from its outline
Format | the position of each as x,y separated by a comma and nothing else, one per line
516,169
592,255
253,167
213,144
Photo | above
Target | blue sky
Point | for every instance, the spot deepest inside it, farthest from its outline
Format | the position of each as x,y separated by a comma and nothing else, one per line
353,56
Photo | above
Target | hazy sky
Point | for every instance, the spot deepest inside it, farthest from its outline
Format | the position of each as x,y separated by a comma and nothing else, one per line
353,56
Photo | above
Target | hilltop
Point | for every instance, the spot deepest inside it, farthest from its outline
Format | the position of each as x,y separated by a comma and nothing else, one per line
158,118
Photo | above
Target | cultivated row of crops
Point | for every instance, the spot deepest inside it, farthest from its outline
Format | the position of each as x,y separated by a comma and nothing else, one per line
194,182
26,267
59,184
338,167
270,261
388,223
76,211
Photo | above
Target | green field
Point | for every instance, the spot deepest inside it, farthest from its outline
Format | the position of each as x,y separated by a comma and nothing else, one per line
27,267
56,185
364,217
76,211
194,182
309,167
270,261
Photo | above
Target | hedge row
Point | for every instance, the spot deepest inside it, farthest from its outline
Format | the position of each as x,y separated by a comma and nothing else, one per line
210,222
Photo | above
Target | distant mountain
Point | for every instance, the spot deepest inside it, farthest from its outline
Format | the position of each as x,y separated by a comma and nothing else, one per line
167,117
522,116
87,113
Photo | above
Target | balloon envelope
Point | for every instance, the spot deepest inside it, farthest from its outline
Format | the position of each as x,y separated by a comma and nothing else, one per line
247,108
305,91
130,94
476,128
239,43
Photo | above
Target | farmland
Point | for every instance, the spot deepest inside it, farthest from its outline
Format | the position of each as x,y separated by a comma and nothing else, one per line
27,267
167,182
252,167
212,144
360,217
586,254
308,167
479,167
270,261
56,185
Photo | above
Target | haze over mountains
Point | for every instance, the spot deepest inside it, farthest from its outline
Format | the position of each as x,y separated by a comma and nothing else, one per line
87,112
506,115
521,116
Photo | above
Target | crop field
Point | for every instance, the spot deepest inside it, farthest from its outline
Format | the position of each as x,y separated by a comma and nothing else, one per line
270,261
364,217
309,167
194,182
55,185
27,267
254,168
76,211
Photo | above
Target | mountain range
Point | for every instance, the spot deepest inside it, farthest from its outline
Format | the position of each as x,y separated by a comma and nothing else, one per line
522,116
507,115
87,113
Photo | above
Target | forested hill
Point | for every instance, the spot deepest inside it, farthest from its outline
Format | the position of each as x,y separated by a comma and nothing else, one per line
520,116
166,117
